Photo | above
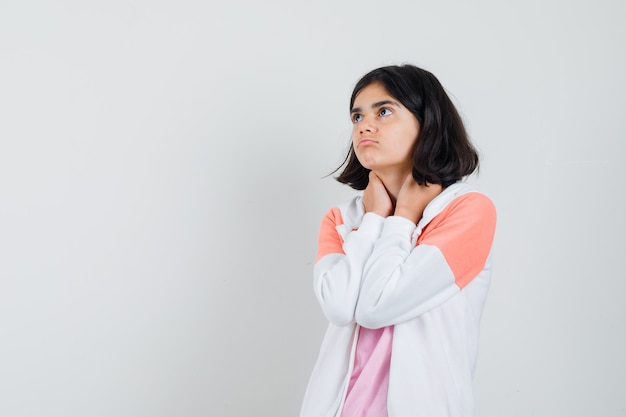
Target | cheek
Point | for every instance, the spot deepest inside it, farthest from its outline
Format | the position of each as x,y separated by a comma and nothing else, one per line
354,139
408,139
354,134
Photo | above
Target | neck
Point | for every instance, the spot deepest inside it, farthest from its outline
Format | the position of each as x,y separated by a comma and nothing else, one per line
393,181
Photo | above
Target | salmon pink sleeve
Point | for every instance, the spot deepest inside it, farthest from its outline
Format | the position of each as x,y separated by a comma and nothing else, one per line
329,240
464,234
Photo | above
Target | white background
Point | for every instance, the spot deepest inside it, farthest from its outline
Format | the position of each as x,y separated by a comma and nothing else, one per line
162,181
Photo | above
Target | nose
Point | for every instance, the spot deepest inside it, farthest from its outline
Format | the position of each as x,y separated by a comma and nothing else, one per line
366,125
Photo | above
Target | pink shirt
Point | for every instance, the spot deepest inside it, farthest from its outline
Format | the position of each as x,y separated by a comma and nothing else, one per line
367,390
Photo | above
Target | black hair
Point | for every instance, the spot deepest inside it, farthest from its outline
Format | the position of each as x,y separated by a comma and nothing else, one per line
443,153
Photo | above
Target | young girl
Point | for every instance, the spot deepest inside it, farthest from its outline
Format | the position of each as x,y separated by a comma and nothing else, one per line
402,272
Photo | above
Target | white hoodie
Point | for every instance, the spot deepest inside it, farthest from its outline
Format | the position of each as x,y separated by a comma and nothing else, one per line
429,280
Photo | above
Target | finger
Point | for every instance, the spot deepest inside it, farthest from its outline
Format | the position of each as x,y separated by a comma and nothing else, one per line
373,177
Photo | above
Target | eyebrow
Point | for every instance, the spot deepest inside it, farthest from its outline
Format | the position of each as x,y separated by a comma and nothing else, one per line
377,104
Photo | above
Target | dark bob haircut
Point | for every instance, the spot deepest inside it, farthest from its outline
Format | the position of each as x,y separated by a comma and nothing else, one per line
443,153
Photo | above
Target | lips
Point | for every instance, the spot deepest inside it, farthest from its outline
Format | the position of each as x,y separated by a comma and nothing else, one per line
366,141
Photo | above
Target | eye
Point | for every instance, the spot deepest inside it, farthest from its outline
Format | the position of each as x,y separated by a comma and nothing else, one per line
356,117
384,111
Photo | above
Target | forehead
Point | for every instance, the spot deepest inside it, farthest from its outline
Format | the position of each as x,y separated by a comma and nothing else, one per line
372,93
374,96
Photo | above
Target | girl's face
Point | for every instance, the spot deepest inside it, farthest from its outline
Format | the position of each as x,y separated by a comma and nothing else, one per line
384,131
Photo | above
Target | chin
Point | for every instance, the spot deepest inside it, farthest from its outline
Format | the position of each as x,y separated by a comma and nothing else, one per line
367,164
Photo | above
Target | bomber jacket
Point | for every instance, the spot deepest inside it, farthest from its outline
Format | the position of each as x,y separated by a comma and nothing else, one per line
429,281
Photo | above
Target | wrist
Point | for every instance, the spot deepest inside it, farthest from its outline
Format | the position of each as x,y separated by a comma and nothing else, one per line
409,214
384,212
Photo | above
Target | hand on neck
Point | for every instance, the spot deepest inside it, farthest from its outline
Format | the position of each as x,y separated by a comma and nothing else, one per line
393,180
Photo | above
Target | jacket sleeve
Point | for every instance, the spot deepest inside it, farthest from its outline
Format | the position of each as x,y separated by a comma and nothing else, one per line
339,266
401,282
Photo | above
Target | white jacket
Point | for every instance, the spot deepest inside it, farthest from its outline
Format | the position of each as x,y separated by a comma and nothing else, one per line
429,280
